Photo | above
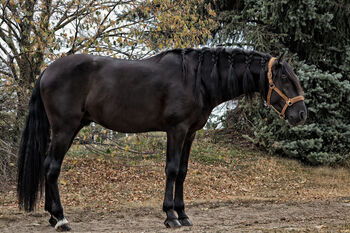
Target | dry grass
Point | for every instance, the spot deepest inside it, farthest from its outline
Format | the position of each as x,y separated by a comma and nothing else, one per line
216,172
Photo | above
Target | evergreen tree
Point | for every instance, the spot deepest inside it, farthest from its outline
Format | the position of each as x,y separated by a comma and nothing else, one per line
317,31
316,34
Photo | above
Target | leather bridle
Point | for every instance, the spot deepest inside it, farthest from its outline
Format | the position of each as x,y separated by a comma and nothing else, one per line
272,87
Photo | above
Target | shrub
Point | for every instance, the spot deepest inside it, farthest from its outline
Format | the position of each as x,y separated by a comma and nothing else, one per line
8,146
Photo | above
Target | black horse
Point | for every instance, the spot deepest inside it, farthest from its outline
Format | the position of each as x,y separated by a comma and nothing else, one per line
174,91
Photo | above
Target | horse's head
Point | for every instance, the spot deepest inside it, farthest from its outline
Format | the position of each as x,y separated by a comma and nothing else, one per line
285,94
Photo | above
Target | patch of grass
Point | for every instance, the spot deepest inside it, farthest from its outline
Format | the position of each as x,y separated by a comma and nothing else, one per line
206,153
152,146
130,150
79,151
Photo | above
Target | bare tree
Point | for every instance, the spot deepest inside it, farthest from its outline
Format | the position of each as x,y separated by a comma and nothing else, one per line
34,33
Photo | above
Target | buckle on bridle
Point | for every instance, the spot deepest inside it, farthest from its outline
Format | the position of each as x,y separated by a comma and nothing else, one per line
289,102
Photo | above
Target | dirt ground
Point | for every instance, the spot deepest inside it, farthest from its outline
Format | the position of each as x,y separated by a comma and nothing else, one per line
217,216
239,191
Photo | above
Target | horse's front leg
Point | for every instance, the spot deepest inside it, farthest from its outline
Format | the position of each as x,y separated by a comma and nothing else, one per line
179,198
175,140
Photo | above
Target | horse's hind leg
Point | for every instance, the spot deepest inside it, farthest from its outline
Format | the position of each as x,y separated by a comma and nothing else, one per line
61,141
48,198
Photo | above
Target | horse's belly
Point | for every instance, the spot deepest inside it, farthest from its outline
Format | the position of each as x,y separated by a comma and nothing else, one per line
131,122
129,117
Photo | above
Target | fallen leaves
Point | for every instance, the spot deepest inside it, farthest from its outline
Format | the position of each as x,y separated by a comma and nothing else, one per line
106,182
90,181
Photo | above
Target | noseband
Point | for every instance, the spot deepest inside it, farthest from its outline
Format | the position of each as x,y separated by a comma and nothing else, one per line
272,86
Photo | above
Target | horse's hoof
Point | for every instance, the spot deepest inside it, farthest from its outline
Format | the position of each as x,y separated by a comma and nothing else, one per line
52,221
64,227
185,222
172,223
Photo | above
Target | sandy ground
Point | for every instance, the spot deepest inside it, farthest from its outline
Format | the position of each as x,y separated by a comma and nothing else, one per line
241,192
240,215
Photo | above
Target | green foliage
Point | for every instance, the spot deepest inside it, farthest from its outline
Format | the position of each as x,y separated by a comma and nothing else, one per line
318,31
324,138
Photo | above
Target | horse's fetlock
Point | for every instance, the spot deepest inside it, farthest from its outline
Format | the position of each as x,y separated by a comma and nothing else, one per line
179,206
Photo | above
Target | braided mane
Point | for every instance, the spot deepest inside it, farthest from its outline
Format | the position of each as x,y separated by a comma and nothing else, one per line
209,64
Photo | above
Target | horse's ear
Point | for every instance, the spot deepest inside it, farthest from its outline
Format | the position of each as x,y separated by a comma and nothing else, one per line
280,58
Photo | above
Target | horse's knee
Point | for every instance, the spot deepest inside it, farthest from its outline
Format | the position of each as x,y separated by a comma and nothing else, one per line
172,171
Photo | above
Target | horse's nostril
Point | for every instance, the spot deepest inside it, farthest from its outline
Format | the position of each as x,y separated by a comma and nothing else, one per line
302,115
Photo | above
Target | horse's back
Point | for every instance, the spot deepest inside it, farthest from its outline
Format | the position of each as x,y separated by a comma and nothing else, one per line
123,95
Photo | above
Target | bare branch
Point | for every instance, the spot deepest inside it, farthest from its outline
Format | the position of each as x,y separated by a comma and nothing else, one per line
9,42
5,73
66,19
77,25
11,25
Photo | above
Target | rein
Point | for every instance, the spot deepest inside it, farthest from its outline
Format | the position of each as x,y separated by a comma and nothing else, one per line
272,87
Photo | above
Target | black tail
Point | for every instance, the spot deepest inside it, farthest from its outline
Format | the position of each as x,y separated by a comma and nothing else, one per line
32,152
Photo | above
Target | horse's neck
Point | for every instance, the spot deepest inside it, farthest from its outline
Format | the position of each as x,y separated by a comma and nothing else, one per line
242,79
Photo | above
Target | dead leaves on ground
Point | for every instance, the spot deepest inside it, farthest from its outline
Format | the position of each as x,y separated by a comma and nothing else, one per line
107,183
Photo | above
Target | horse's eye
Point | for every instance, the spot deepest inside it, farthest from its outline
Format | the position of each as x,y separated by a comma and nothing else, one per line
284,78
